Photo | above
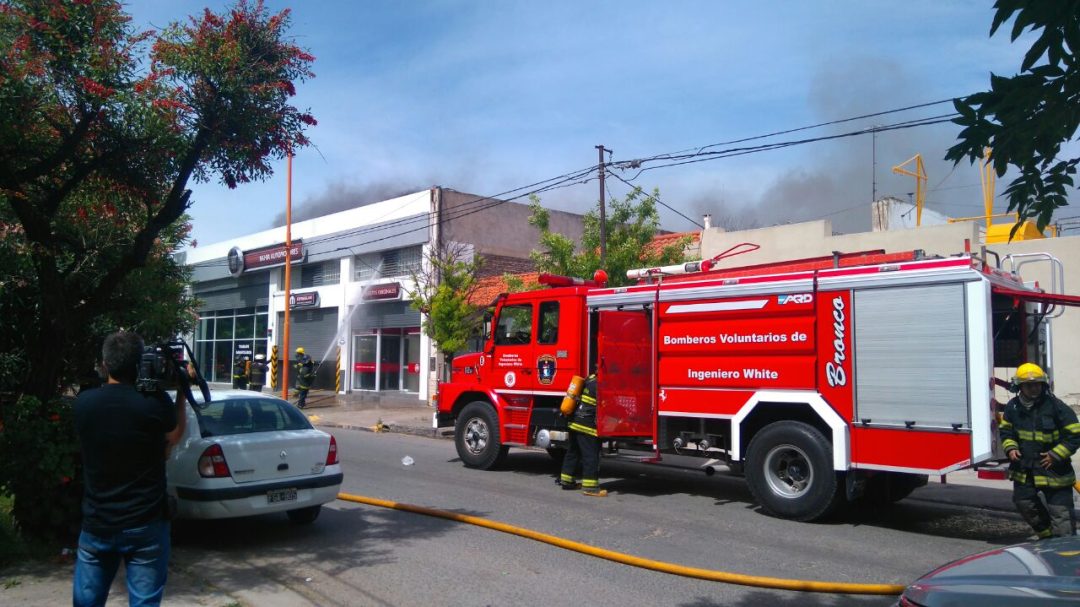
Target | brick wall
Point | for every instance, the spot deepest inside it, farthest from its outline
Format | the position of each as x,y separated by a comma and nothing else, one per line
497,265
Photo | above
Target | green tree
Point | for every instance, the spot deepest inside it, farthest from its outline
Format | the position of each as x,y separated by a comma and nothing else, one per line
631,225
101,130
1026,118
442,292
97,145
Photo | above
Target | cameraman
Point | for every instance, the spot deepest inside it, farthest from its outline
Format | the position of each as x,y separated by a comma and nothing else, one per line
124,436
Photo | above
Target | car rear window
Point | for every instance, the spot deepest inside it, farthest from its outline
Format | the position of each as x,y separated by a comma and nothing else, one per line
247,415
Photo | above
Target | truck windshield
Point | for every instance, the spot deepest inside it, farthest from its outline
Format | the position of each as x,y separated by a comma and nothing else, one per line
515,325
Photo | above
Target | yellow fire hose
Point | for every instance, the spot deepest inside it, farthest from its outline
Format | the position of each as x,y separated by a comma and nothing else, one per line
626,559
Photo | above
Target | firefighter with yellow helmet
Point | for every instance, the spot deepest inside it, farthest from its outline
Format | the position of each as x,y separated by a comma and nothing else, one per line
305,375
1040,434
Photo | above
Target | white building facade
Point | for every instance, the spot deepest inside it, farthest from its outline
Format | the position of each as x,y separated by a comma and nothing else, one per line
351,275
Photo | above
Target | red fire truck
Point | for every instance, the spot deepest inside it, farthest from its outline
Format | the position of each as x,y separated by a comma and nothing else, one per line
845,378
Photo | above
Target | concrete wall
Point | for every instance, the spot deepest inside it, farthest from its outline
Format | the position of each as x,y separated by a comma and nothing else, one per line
501,229
815,239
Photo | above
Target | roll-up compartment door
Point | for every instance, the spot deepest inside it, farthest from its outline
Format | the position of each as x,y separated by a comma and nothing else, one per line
911,362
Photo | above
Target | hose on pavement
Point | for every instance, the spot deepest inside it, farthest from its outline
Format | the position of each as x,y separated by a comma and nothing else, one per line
627,559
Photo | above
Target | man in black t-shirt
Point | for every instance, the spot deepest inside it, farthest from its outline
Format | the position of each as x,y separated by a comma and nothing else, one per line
124,436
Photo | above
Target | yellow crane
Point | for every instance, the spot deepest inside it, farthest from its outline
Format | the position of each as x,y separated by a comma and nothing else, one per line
1000,232
920,183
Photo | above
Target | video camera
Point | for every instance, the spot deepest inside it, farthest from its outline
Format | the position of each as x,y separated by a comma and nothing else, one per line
162,367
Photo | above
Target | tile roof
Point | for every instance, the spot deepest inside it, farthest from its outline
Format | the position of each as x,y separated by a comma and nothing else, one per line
660,241
489,287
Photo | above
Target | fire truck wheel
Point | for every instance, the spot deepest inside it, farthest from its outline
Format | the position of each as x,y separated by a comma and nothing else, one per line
789,471
476,436
557,453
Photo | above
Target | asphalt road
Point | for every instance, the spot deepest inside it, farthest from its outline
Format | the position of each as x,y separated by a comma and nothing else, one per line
363,555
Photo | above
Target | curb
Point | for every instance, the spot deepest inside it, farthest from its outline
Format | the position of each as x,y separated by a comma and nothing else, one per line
389,428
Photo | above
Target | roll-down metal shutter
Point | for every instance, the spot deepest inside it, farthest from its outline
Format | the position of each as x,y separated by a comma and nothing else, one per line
911,356
315,330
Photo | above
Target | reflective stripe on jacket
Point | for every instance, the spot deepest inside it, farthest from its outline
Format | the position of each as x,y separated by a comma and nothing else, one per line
1048,426
584,420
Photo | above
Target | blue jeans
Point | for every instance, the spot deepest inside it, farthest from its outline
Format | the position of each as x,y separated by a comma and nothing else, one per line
145,551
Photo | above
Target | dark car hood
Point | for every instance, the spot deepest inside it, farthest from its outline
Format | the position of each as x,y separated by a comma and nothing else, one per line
1037,573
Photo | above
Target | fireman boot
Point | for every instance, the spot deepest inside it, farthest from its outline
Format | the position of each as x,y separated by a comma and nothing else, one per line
591,487
568,482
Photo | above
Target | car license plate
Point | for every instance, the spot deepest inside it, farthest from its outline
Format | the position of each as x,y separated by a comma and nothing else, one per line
281,495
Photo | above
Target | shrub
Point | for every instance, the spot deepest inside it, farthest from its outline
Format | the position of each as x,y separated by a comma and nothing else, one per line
40,467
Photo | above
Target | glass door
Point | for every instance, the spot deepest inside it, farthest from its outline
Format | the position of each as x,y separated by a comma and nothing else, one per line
390,363
412,362
365,348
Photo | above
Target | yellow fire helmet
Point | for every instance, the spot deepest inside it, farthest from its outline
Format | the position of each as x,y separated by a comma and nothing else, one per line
300,350
1030,372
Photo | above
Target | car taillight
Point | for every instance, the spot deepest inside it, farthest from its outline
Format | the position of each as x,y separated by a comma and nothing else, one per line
212,463
331,454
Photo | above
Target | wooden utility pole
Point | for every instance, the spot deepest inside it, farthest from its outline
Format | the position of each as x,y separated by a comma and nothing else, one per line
603,214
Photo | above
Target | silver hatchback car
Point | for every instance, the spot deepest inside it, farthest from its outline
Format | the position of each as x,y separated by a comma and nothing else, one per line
246,453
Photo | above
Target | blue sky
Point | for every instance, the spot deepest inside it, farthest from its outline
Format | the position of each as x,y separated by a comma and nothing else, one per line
484,97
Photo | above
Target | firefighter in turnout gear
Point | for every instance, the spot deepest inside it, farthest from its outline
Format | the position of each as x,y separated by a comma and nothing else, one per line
1040,434
257,376
305,374
239,374
581,466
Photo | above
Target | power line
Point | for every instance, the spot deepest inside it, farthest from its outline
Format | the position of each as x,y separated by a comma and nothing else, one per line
657,199
742,151
585,175
802,128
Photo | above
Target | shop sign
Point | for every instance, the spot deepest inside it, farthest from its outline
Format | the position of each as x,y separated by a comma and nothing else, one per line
265,257
304,300
382,292
243,350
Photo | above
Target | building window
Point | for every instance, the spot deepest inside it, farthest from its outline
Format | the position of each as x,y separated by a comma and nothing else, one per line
402,262
319,274
387,264
366,266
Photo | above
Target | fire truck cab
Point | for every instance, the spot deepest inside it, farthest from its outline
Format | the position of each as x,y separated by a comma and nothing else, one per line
845,378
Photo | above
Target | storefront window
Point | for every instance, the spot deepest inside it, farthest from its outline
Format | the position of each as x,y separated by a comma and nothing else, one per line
261,322
245,327
220,334
224,328
364,349
398,356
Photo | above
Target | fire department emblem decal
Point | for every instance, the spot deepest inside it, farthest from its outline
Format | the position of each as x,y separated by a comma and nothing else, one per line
510,379
545,369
